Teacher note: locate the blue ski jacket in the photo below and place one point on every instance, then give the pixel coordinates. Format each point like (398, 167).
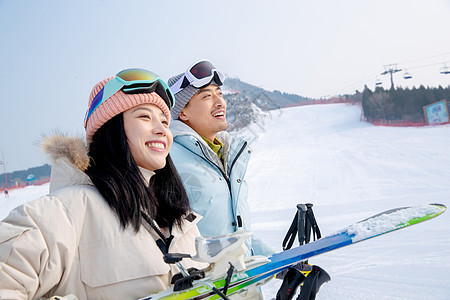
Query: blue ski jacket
(215, 191)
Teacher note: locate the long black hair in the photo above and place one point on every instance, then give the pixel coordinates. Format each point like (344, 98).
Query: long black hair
(116, 175)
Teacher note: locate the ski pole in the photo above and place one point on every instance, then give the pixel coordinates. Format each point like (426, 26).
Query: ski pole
(301, 209)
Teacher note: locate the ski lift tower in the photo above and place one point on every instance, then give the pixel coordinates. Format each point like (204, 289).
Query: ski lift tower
(391, 69)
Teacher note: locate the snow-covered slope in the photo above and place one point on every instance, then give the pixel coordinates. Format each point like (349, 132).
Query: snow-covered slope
(19, 196)
(349, 170)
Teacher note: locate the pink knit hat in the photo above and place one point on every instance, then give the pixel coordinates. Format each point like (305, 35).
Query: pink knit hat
(116, 104)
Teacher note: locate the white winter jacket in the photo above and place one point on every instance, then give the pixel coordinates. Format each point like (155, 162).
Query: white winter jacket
(70, 241)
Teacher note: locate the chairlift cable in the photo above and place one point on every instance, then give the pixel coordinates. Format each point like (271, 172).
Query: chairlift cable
(355, 84)
(424, 58)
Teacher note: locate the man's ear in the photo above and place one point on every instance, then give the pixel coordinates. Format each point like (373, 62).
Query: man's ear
(183, 117)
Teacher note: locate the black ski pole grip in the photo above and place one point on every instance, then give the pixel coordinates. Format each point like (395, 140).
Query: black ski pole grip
(313, 222)
(301, 208)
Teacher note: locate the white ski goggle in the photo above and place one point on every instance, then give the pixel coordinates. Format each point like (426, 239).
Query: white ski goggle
(199, 75)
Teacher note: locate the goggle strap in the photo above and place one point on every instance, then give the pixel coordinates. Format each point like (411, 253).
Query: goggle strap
(185, 83)
(218, 78)
(98, 99)
(86, 118)
(178, 85)
(111, 87)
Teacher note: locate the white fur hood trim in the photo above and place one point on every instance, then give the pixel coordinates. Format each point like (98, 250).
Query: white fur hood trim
(70, 159)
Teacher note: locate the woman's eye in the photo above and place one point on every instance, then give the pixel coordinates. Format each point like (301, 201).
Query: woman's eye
(145, 116)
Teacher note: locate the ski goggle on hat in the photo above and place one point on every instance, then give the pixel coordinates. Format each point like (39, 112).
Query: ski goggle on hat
(132, 81)
(199, 75)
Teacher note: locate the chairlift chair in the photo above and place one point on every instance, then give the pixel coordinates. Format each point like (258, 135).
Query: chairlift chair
(445, 70)
(378, 82)
(407, 75)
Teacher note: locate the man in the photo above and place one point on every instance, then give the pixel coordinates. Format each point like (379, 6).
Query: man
(211, 163)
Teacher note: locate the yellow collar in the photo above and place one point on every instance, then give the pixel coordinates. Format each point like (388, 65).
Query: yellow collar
(215, 146)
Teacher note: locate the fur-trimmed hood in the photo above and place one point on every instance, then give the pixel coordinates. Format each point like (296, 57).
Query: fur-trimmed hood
(70, 159)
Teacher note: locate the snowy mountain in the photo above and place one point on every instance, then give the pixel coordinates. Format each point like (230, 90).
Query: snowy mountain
(247, 103)
(349, 170)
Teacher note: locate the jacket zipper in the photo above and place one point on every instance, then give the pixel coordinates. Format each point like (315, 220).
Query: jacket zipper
(232, 164)
(237, 156)
(220, 169)
(238, 218)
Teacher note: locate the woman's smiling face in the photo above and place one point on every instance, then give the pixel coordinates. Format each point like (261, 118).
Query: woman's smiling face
(148, 135)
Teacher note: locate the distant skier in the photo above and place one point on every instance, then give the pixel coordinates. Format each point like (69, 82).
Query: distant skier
(6, 193)
(211, 163)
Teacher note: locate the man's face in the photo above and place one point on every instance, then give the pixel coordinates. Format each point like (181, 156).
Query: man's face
(206, 112)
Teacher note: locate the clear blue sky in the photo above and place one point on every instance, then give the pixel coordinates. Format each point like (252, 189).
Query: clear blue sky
(53, 52)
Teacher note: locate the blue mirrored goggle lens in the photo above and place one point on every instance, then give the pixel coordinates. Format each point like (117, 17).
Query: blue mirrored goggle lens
(130, 75)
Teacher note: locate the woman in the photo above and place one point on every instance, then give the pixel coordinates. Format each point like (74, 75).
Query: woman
(114, 206)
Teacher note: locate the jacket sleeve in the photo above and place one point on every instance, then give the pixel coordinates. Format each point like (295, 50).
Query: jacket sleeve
(37, 240)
